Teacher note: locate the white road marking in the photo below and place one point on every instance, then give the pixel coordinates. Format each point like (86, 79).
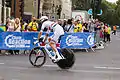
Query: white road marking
(15, 79)
(50, 65)
(2, 63)
(23, 68)
(90, 71)
(110, 68)
(93, 71)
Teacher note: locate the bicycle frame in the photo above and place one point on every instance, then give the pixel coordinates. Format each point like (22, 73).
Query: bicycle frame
(45, 46)
(67, 57)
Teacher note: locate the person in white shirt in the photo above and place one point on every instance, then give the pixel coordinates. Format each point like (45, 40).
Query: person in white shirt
(11, 25)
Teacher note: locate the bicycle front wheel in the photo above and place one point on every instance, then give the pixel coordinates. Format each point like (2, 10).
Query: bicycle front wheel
(37, 57)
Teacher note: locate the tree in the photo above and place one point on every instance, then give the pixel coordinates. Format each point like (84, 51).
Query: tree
(118, 12)
(109, 13)
(80, 4)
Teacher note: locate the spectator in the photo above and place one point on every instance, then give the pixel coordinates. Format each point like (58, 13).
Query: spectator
(84, 27)
(17, 25)
(114, 30)
(11, 25)
(69, 27)
(64, 24)
(76, 26)
(59, 22)
(92, 26)
(25, 27)
(7, 22)
(105, 32)
(108, 34)
(101, 34)
(80, 27)
(33, 25)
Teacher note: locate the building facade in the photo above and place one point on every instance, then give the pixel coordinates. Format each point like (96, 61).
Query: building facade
(49, 8)
(30, 7)
(16, 8)
(66, 9)
(4, 11)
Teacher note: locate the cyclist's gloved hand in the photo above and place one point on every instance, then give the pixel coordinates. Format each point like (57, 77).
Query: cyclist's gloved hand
(34, 43)
(41, 39)
(37, 41)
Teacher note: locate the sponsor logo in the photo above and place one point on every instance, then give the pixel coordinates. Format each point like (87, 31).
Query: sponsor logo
(12, 41)
(74, 41)
(90, 40)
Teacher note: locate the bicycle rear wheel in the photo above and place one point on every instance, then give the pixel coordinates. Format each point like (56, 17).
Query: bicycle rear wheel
(37, 57)
(69, 61)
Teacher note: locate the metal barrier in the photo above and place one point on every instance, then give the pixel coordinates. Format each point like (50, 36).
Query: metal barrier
(24, 40)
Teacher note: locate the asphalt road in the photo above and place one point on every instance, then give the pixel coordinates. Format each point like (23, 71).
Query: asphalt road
(101, 65)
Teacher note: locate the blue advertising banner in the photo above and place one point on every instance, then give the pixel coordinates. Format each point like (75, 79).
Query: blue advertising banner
(24, 40)
(16, 40)
(77, 40)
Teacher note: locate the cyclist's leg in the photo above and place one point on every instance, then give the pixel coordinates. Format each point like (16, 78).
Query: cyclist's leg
(52, 43)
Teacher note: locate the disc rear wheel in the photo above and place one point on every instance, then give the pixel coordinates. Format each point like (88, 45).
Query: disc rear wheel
(69, 61)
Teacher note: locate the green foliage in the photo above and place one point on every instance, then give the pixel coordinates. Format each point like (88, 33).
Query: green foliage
(111, 11)
(80, 4)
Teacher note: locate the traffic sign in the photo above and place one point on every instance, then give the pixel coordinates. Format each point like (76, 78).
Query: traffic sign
(90, 12)
(101, 12)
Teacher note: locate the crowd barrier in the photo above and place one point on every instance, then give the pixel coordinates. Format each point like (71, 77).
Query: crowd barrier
(24, 40)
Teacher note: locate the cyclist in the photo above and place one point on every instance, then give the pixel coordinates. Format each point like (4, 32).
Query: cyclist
(57, 30)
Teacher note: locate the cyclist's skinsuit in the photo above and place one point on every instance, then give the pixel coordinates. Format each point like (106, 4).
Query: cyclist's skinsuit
(57, 29)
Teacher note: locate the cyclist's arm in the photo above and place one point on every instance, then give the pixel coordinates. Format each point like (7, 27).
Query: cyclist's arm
(42, 28)
(46, 36)
(39, 35)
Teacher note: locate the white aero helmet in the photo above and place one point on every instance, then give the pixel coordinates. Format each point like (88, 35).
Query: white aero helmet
(43, 18)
